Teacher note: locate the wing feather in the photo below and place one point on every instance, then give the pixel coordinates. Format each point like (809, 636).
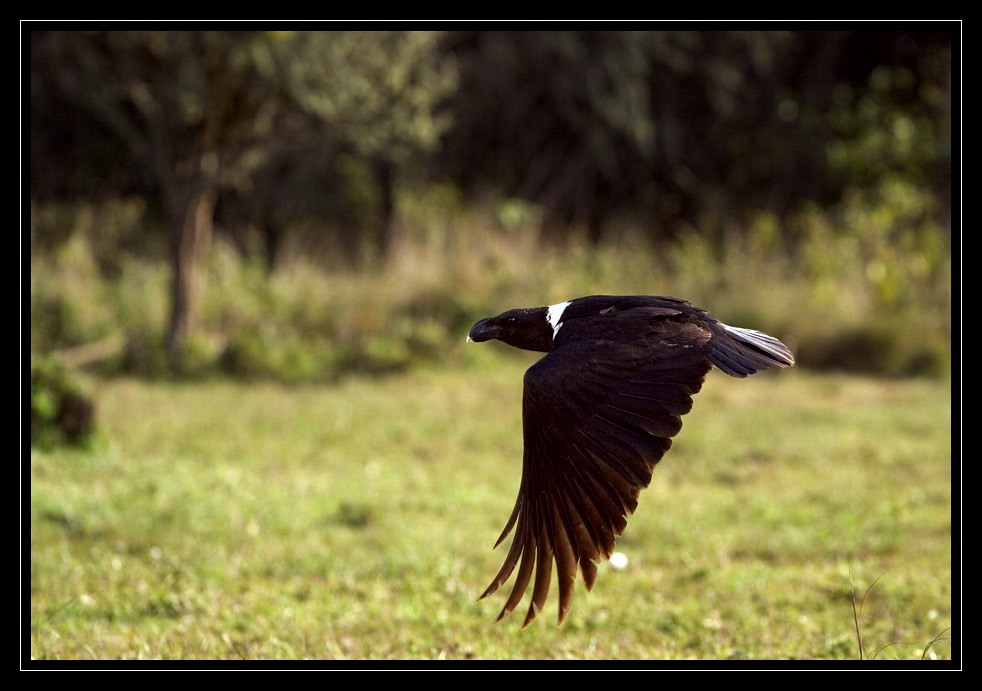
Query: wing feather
(527, 550)
(598, 415)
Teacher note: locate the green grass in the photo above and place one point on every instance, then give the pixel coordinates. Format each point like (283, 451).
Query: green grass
(355, 520)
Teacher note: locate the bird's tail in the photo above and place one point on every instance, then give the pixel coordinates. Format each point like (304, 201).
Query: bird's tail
(740, 352)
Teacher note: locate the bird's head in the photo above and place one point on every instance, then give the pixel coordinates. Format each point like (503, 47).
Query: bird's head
(526, 328)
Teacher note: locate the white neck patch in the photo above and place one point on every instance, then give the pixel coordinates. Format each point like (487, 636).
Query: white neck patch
(555, 316)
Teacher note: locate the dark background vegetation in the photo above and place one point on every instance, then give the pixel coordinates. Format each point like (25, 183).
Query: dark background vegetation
(302, 205)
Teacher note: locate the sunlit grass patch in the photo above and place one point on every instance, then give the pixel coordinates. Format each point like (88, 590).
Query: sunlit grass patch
(356, 520)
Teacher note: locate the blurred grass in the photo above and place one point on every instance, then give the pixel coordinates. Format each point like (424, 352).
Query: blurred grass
(236, 520)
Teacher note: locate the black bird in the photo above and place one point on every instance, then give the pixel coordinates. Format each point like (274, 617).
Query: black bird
(599, 412)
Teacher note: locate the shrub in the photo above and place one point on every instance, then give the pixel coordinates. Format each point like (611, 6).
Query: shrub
(61, 410)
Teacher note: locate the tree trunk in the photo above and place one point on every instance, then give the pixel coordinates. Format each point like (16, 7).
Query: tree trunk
(384, 174)
(193, 236)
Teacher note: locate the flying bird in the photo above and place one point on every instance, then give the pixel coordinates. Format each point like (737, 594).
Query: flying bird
(599, 411)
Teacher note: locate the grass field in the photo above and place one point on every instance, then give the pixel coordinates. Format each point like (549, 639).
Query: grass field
(354, 521)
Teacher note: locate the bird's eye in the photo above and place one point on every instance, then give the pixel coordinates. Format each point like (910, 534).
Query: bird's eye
(512, 320)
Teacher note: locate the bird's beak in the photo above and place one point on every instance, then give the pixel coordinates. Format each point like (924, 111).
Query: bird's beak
(482, 331)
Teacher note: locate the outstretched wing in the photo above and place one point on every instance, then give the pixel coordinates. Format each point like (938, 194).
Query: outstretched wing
(598, 415)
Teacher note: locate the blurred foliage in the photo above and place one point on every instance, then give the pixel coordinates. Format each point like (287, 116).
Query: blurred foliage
(286, 125)
(200, 115)
(877, 302)
(373, 193)
(668, 129)
(62, 411)
(678, 128)
(380, 91)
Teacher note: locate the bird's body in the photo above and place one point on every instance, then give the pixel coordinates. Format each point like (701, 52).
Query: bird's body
(599, 411)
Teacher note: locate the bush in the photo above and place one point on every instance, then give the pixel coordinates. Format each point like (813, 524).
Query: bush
(62, 413)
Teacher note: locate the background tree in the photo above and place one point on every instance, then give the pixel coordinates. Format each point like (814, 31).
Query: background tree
(202, 114)
(377, 94)
(190, 107)
(559, 118)
(696, 127)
